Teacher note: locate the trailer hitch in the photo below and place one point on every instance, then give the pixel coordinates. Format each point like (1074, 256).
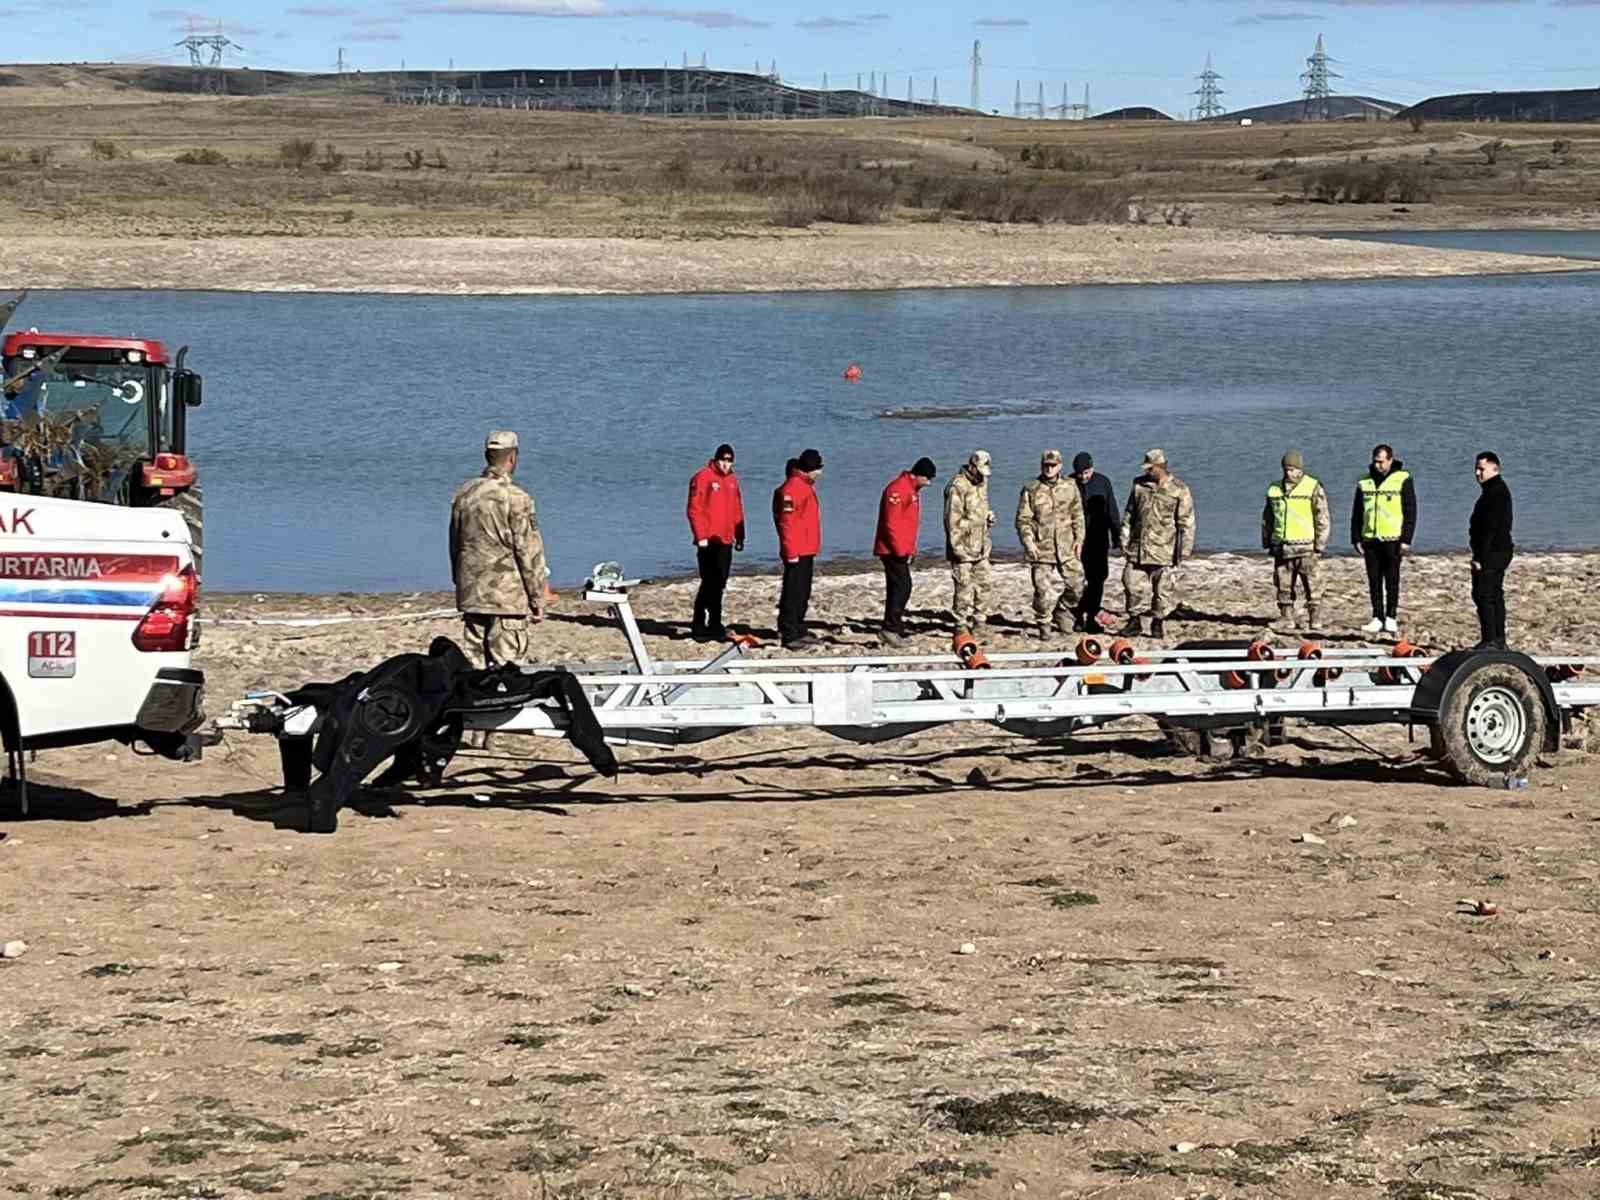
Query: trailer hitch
(411, 709)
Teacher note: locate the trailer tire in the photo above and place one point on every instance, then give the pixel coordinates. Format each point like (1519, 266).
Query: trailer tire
(191, 505)
(1492, 726)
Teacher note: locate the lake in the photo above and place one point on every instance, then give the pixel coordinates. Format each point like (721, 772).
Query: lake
(336, 428)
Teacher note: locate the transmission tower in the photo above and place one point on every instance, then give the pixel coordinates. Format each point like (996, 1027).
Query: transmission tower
(1210, 94)
(1316, 77)
(977, 63)
(1016, 107)
(206, 51)
(1040, 105)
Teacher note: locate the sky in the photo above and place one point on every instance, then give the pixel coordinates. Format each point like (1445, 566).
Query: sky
(1147, 52)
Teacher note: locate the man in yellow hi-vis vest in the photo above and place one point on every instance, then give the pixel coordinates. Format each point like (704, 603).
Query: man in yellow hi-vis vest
(1294, 526)
(1383, 520)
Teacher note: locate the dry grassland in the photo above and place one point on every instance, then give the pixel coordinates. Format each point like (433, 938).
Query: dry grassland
(88, 161)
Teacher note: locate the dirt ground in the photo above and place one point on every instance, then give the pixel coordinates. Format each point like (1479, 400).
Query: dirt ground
(739, 969)
(843, 258)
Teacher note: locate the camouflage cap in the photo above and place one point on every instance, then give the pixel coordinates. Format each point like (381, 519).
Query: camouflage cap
(1294, 460)
(1155, 458)
(1050, 456)
(980, 462)
(501, 439)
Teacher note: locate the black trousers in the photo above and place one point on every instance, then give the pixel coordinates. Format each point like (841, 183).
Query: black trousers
(1383, 577)
(715, 560)
(1096, 566)
(795, 599)
(1489, 595)
(896, 591)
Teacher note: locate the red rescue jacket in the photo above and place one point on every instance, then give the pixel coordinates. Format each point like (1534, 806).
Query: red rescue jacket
(716, 509)
(798, 517)
(899, 512)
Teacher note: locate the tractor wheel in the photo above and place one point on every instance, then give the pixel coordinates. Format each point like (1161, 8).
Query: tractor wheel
(192, 505)
(1493, 725)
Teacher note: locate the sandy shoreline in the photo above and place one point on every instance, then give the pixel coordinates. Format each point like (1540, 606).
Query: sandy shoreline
(842, 258)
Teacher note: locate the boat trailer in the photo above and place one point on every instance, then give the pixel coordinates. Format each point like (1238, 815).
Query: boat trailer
(1490, 712)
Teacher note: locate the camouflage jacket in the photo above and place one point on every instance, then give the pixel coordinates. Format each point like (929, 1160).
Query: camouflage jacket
(1158, 522)
(967, 518)
(1050, 520)
(496, 553)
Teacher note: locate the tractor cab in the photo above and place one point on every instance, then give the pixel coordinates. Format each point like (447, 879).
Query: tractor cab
(95, 418)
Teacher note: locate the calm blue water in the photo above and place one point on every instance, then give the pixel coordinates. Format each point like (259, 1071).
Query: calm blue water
(336, 428)
(1551, 243)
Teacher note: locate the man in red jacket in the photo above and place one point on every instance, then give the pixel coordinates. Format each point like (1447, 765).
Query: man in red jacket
(799, 521)
(716, 523)
(899, 512)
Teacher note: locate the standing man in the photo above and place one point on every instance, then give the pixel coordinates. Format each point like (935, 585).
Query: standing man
(1492, 548)
(1383, 521)
(1050, 526)
(899, 513)
(1295, 523)
(967, 541)
(1157, 536)
(497, 556)
(716, 523)
(1102, 533)
(799, 521)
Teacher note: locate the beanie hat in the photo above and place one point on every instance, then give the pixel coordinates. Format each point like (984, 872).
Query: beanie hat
(810, 460)
(925, 468)
(1082, 461)
(723, 451)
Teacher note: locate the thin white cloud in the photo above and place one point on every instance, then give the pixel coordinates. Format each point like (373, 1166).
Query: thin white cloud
(706, 18)
(1001, 22)
(374, 35)
(1274, 18)
(320, 10)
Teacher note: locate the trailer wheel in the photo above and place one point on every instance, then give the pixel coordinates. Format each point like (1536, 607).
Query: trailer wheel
(1492, 725)
(191, 504)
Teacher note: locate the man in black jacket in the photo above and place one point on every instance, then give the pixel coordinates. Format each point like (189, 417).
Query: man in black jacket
(1490, 535)
(1383, 521)
(1102, 530)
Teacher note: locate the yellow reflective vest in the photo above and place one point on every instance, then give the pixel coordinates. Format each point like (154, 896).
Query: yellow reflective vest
(1382, 515)
(1293, 519)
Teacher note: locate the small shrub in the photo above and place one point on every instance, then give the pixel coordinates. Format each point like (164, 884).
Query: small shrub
(297, 153)
(1491, 150)
(104, 149)
(414, 159)
(678, 172)
(41, 156)
(372, 160)
(331, 159)
(1561, 146)
(439, 160)
(1416, 121)
(202, 156)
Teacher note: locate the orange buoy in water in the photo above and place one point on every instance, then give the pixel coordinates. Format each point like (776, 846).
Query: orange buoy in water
(852, 373)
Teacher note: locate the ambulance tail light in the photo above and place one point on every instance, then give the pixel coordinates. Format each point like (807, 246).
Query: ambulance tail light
(166, 627)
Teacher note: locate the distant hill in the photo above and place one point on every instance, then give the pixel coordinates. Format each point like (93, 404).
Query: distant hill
(1340, 108)
(1137, 113)
(1576, 104)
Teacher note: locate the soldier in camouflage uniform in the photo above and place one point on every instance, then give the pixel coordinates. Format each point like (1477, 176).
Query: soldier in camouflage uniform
(1295, 523)
(497, 556)
(1157, 535)
(1050, 526)
(967, 544)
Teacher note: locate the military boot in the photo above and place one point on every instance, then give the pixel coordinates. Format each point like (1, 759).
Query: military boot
(1064, 623)
(1311, 618)
(1042, 631)
(1158, 627)
(1286, 617)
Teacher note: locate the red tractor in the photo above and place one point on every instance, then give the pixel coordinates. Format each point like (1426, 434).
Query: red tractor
(98, 418)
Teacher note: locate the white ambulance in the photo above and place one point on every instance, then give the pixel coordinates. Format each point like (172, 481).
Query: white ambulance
(98, 622)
